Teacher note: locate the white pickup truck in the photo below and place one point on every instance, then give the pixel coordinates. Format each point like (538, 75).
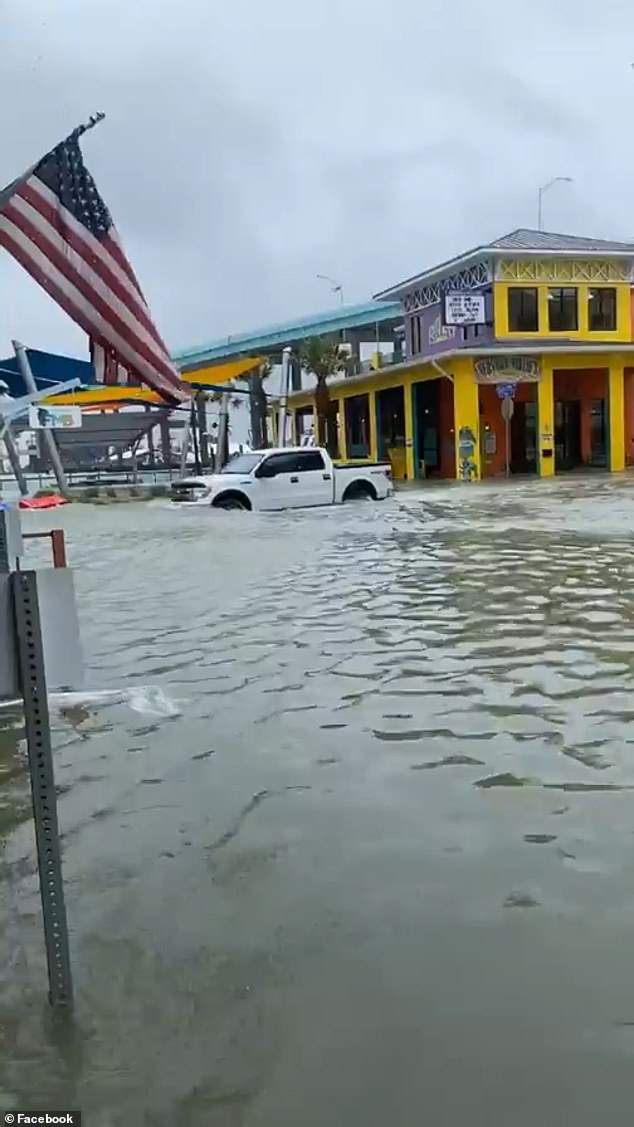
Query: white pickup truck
(297, 477)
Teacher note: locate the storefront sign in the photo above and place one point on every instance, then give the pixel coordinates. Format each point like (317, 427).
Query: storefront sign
(437, 337)
(507, 369)
(464, 308)
(437, 334)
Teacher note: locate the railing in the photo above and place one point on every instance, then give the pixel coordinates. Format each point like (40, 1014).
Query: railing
(89, 475)
(376, 364)
(58, 544)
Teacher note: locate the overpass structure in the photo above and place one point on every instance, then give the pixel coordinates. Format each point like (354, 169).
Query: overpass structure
(369, 323)
(210, 367)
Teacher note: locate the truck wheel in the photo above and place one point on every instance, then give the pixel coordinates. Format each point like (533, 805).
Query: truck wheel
(360, 491)
(231, 502)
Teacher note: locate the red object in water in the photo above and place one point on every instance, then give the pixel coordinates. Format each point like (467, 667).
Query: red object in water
(52, 502)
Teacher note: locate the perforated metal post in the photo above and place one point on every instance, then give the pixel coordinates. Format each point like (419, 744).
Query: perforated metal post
(30, 655)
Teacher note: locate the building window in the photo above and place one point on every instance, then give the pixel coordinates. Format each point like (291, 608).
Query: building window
(415, 336)
(562, 310)
(602, 310)
(523, 309)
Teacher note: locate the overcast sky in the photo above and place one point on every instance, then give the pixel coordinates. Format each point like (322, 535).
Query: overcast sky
(252, 145)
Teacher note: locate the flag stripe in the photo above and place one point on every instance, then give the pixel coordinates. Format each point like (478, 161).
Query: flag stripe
(55, 223)
(74, 265)
(103, 362)
(86, 316)
(108, 369)
(31, 201)
(98, 357)
(112, 247)
(90, 289)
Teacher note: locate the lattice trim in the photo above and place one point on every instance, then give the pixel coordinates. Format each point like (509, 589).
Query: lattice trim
(471, 278)
(564, 270)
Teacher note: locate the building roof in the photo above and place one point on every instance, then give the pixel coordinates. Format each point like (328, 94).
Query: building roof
(523, 241)
(276, 337)
(526, 239)
(48, 369)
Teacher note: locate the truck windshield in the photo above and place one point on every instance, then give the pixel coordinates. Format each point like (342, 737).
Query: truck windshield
(243, 463)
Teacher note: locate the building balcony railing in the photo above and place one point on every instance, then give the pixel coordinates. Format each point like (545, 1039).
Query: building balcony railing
(375, 363)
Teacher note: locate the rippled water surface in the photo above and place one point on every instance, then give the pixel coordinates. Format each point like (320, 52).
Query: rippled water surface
(351, 839)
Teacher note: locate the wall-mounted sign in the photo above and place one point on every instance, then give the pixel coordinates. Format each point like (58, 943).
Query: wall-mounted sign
(464, 308)
(437, 334)
(505, 390)
(54, 418)
(507, 369)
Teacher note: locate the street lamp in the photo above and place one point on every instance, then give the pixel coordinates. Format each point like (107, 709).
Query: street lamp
(335, 285)
(542, 191)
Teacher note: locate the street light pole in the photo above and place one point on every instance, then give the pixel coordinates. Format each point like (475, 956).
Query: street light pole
(542, 192)
(335, 285)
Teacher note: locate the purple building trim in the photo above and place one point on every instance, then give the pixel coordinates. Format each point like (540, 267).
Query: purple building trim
(426, 335)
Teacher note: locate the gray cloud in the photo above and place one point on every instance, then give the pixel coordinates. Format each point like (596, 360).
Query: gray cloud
(250, 147)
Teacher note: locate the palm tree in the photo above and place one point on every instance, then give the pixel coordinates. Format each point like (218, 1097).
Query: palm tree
(324, 357)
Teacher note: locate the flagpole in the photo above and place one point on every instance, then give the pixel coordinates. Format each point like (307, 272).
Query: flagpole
(94, 119)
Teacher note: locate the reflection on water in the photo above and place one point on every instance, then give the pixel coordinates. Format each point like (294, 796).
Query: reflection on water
(333, 760)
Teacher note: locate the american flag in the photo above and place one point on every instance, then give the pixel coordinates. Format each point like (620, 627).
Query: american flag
(55, 223)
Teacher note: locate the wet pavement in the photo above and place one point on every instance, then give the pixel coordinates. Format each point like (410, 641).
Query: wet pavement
(349, 833)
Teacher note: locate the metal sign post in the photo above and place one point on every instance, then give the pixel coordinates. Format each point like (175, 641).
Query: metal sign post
(39, 641)
(506, 393)
(30, 653)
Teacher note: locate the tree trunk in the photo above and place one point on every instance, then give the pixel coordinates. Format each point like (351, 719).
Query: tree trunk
(322, 402)
(258, 405)
(203, 437)
(194, 430)
(166, 445)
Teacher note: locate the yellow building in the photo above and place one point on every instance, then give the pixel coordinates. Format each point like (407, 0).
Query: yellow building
(540, 320)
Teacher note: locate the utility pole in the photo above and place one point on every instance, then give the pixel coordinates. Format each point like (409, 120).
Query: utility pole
(47, 435)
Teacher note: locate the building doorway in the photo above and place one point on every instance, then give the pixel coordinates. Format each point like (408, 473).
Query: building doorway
(523, 437)
(434, 438)
(356, 413)
(522, 430)
(568, 435)
(599, 433)
(581, 418)
(390, 429)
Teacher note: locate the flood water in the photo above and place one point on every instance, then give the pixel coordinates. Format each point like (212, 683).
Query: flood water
(351, 842)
